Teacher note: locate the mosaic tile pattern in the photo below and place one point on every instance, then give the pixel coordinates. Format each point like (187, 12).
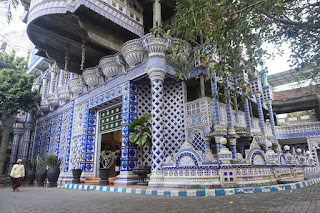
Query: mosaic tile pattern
(198, 142)
(79, 119)
(65, 139)
(88, 144)
(174, 118)
(53, 136)
(261, 117)
(129, 113)
(204, 192)
(143, 107)
(157, 124)
(297, 131)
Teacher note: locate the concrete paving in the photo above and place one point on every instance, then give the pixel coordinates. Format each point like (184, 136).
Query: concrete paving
(36, 199)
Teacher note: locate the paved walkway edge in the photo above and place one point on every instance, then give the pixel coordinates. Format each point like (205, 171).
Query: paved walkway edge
(204, 192)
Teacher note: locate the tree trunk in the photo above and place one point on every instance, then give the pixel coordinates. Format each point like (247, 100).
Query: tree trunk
(7, 125)
(3, 148)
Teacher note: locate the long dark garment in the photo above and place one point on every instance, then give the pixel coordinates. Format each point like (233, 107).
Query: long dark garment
(16, 183)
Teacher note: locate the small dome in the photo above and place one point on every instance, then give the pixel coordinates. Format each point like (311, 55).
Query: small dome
(286, 148)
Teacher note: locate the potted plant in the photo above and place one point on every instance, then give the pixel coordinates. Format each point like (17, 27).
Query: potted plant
(106, 159)
(76, 172)
(31, 172)
(140, 135)
(41, 171)
(53, 163)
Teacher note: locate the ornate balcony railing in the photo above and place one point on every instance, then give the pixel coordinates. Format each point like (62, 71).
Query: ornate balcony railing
(297, 131)
(116, 11)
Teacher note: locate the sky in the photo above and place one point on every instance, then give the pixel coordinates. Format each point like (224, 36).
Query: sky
(15, 32)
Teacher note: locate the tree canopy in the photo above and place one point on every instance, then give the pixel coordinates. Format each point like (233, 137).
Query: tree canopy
(238, 29)
(15, 86)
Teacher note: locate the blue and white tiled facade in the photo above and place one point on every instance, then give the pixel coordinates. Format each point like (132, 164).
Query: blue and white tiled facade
(183, 132)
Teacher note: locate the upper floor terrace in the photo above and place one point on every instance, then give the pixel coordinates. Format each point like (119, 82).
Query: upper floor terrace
(86, 30)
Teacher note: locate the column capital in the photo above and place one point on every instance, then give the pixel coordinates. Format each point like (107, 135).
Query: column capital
(258, 94)
(45, 79)
(156, 74)
(28, 126)
(18, 131)
(269, 101)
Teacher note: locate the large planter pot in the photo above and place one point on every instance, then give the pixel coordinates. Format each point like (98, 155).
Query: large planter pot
(53, 175)
(180, 57)
(53, 100)
(112, 66)
(76, 173)
(104, 176)
(142, 175)
(40, 177)
(156, 45)
(30, 176)
(91, 76)
(44, 106)
(63, 93)
(133, 52)
(76, 85)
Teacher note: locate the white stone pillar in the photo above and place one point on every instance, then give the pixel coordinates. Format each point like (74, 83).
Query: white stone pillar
(53, 76)
(202, 87)
(156, 13)
(24, 145)
(17, 134)
(157, 79)
(62, 80)
(44, 87)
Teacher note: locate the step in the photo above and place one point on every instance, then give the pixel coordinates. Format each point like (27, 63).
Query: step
(95, 181)
(291, 180)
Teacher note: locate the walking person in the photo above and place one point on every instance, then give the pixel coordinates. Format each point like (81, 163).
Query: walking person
(17, 173)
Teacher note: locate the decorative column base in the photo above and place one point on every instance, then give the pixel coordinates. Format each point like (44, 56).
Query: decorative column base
(126, 178)
(271, 156)
(156, 179)
(225, 156)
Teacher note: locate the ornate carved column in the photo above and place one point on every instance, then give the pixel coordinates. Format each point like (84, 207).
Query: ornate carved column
(17, 136)
(247, 114)
(260, 112)
(52, 96)
(157, 78)
(128, 155)
(63, 89)
(24, 145)
(271, 117)
(256, 89)
(35, 87)
(156, 68)
(62, 78)
(53, 76)
(231, 132)
(156, 13)
(31, 146)
(202, 87)
(216, 112)
(44, 87)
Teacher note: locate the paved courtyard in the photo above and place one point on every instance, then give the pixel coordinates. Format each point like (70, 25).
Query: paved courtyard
(33, 200)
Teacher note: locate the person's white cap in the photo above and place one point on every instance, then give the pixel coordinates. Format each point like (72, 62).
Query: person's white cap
(19, 160)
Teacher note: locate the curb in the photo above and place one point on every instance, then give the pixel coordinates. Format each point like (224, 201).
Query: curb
(198, 193)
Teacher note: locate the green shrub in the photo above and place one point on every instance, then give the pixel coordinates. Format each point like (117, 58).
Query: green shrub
(53, 161)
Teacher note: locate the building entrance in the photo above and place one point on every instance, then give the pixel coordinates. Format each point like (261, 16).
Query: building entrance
(110, 135)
